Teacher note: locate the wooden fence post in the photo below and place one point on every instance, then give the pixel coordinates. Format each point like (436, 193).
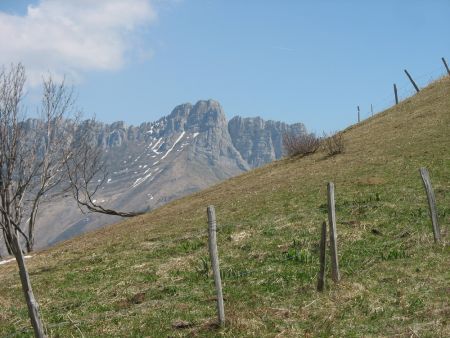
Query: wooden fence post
(335, 275)
(213, 254)
(395, 94)
(446, 66)
(32, 304)
(359, 115)
(412, 81)
(322, 248)
(431, 203)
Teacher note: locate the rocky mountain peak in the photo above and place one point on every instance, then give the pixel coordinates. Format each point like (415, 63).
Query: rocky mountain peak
(205, 115)
(176, 120)
(151, 164)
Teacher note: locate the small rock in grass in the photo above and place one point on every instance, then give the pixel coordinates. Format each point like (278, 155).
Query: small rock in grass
(376, 232)
(181, 324)
(138, 298)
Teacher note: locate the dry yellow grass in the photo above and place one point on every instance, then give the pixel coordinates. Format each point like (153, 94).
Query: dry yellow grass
(137, 277)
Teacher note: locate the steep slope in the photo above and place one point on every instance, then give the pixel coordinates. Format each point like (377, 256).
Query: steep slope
(140, 277)
(150, 165)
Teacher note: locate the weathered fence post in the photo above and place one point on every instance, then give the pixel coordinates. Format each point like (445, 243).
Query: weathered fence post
(395, 94)
(32, 304)
(446, 66)
(359, 115)
(322, 248)
(412, 81)
(431, 203)
(335, 275)
(213, 254)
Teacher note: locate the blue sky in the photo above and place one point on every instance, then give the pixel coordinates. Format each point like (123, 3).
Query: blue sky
(296, 61)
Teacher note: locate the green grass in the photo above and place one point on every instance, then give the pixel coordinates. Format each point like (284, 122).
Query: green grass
(138, 277)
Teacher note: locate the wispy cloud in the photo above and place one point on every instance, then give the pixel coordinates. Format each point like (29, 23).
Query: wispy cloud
(74, 36)
(286, 49)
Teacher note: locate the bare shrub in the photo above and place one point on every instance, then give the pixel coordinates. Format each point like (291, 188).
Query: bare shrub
(300, 144)
(334, 143)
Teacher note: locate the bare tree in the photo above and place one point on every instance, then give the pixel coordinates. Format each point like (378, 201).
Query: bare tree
(32, 153)
(39, 159)
(54, 133)
(19, 170)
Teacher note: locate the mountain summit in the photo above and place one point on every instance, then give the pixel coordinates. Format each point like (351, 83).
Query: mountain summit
(149, 165)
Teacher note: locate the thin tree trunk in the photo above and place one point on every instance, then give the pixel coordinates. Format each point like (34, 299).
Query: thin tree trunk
(7, 243)
(30, 239)
(31, 222)
(33, 306)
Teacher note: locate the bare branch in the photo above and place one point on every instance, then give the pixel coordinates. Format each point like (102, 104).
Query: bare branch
(87, 173)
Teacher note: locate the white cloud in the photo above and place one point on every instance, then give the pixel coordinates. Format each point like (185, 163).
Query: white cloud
(73, 36)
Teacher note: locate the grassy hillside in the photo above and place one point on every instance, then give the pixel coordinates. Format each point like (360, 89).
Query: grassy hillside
(139, 277)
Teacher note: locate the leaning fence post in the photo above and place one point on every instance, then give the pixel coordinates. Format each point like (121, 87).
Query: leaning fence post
(335, 275)
(322, 248)
(212, 244)
(431, 203)
(446, 66)
(412, 81)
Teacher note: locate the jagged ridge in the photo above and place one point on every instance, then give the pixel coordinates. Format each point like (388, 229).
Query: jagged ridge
(151, 164)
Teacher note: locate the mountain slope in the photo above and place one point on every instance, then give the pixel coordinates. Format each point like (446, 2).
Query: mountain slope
(138, 277)
(150, 165)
